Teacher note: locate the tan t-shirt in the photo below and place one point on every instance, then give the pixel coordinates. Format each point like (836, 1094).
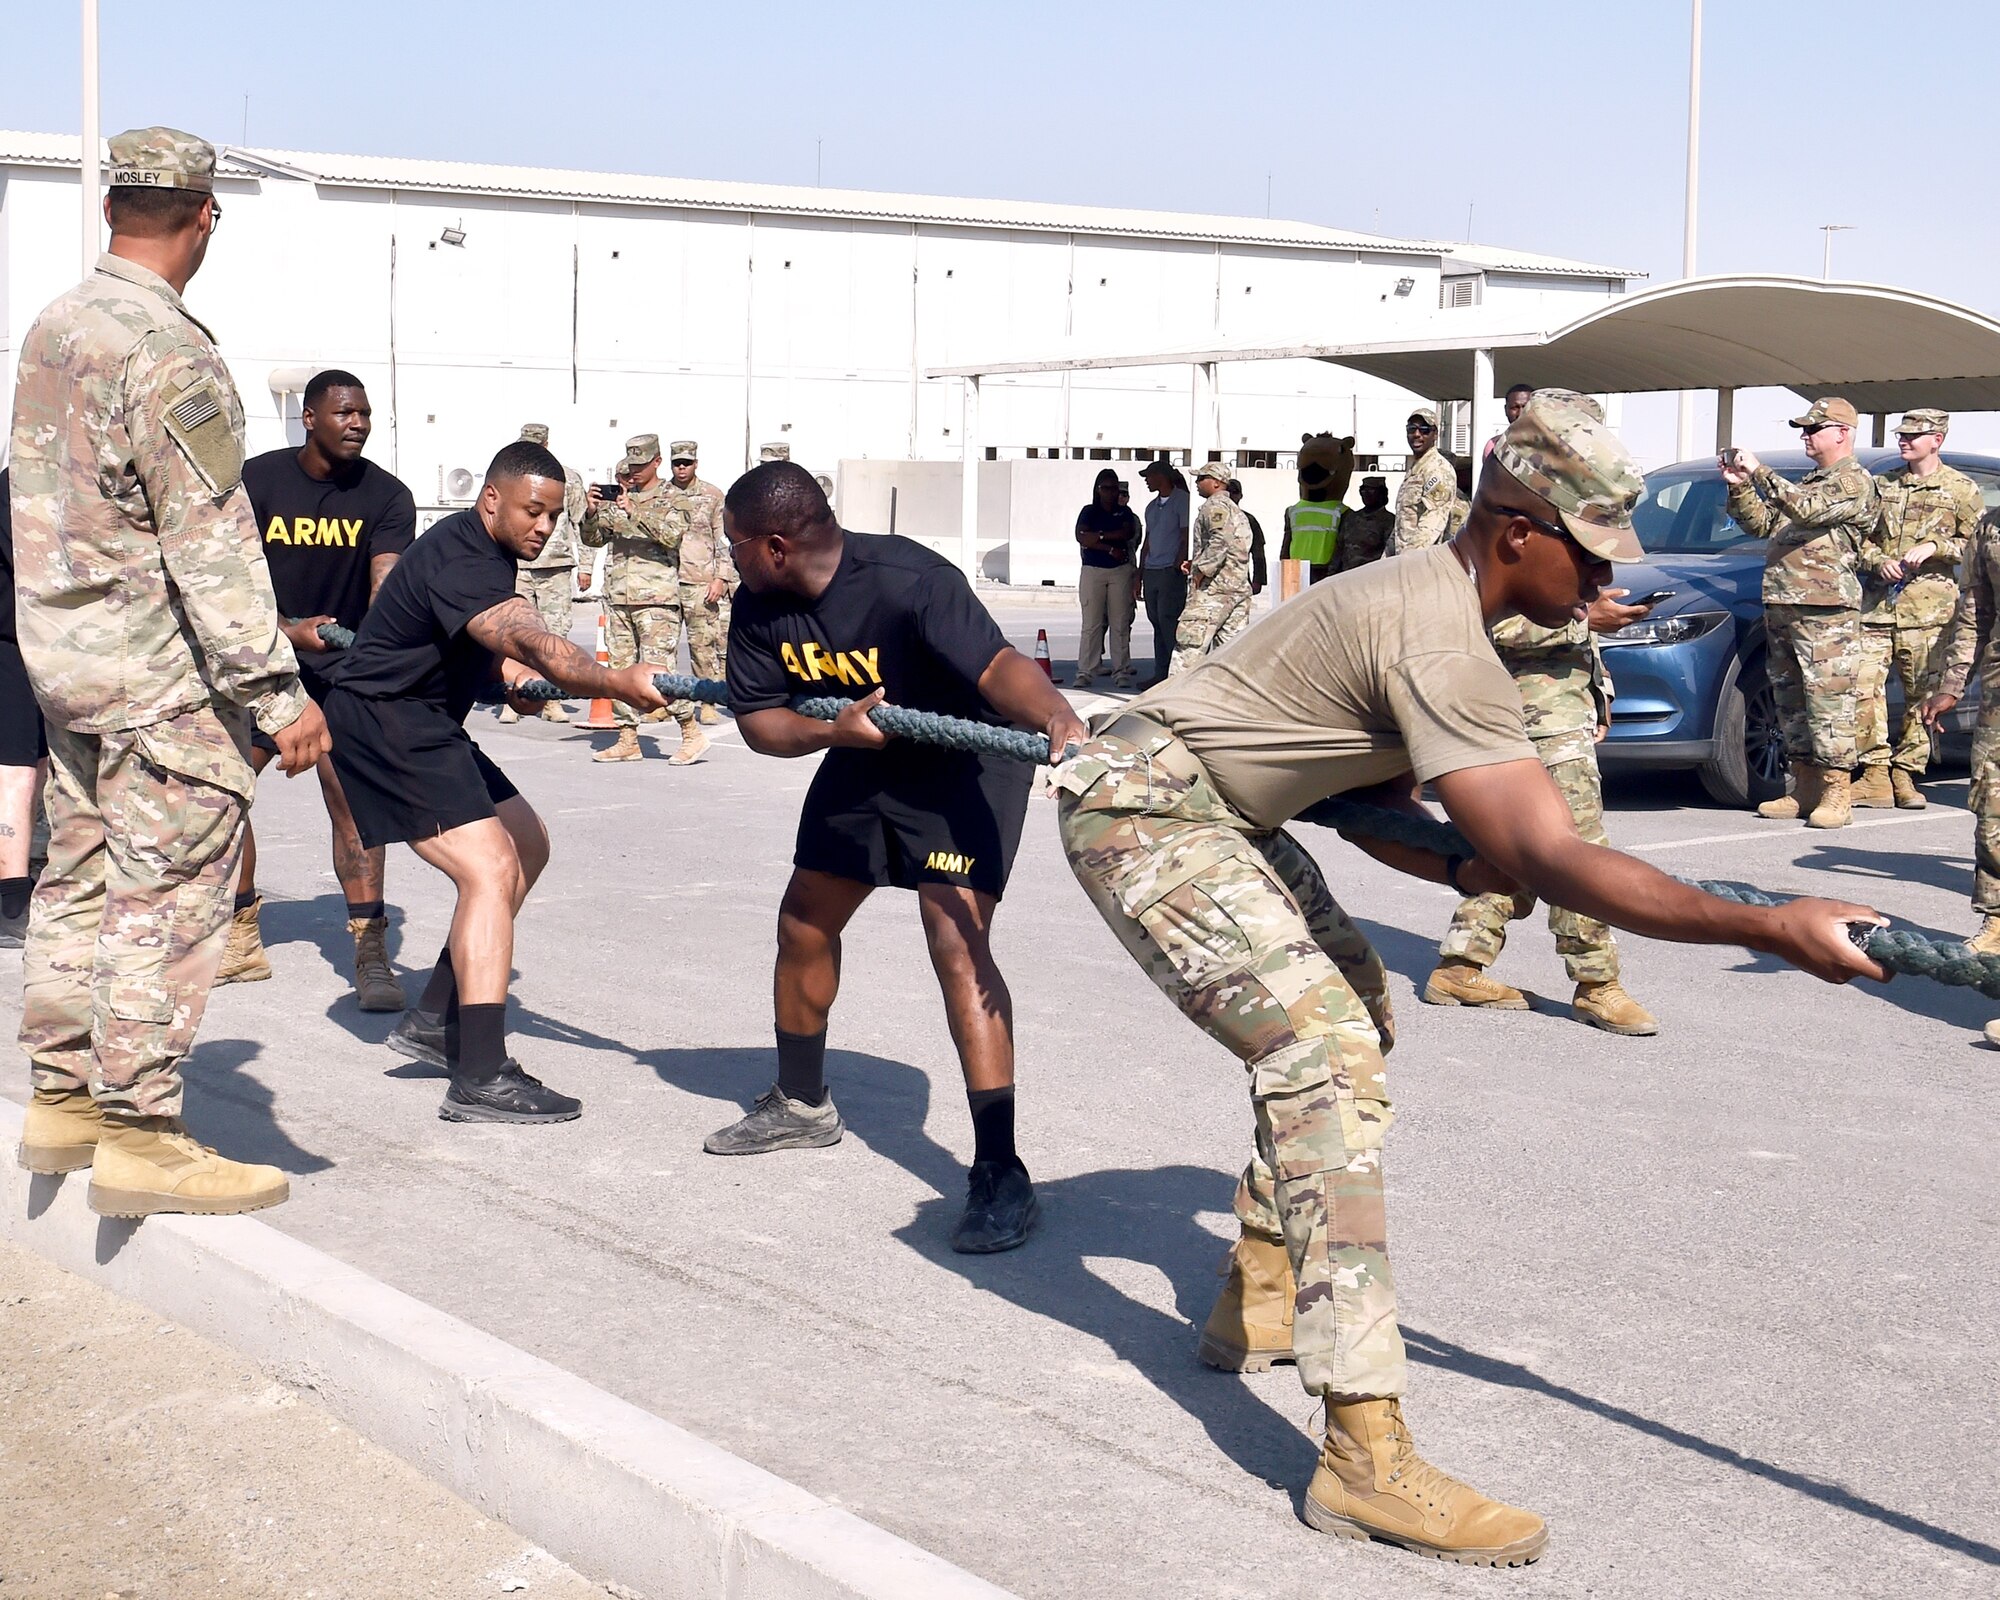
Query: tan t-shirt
(1369, 674)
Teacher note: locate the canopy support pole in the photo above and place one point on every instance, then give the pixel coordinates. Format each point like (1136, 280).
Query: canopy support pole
(1201, 416)
(968, 488)
(1482, 408)
(1881, 428)
(1725, 419)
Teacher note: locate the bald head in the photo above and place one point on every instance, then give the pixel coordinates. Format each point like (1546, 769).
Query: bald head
(780, 497)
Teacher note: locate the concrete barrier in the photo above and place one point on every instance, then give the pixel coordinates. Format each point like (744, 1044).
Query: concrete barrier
(621, 1495)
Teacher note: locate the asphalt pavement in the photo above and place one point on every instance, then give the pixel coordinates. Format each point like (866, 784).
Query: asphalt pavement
(1720, 1304)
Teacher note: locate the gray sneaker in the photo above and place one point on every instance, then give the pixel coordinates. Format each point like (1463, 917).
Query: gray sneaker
(778, 1122)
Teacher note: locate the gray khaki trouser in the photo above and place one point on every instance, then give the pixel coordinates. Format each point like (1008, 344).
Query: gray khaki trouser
(1105, 594)
(1165, 589)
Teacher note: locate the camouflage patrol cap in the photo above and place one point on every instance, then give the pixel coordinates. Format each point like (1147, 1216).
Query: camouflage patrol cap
(1926, 419)
(1425, 415)
(535, 432)
(161, 158)
(641, 448)
(682, 450)
(1832, 409)
(1215, 471)
(1561, 449)
(774, 452)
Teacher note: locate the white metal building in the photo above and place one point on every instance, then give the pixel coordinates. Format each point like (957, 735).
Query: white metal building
(470, 298)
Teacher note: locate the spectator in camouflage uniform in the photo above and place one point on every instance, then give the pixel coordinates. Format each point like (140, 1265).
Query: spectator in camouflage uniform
(1172, 818)
(1966, 647)
(151, 634)
(708, 573)
(1910, 562)
(1365, 534)
(1218, 572)
(1430, 486)
(642, 590)
(548, 581)
(1812, 601)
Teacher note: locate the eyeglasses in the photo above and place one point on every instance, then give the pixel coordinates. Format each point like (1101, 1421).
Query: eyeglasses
(738, 544)
(214, 213)
(1554, 530)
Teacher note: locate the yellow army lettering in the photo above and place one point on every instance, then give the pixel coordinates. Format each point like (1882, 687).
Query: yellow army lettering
(946, 861)
(314, 531)
(857, 667)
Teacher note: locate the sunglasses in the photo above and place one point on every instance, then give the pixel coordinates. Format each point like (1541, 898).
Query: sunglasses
(214, 213)
(1555, 530)
(1819, 427)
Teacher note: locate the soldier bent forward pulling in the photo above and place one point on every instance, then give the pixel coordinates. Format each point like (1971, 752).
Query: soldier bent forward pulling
(150, 632)
(1218, 572)
(1172, 818)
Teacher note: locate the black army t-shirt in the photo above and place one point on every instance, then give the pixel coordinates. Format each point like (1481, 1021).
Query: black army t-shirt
(320, 535)
(412, 645)
(896, 616)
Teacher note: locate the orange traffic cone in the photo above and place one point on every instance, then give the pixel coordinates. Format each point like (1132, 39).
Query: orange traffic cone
(602, 715)
(1042, 653)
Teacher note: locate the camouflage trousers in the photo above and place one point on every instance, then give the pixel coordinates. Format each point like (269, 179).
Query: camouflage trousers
(707, 631)
(1814, 660)
(549, 590)
(645, 633)
(1983, 799)
(1237, 928)
(1215, 614)
(127, 924)
(1907, 652)
(1478, 931)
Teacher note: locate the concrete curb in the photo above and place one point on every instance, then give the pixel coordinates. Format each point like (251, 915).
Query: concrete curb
(618, 1493)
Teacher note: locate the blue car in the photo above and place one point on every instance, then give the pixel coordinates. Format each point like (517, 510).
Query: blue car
(1692, 687)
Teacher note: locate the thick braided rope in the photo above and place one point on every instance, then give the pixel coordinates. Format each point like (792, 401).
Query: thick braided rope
(1943, 960)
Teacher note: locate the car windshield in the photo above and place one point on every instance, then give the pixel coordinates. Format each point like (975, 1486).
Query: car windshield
(1685, 513)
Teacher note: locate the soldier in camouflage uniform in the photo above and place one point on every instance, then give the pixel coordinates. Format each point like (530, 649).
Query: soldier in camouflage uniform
(1812, 602)
(1566, 707)
(708, 572)
(1967, 647)
(1365, 534)
(642, 590)
(548, 581)
(1218, 570)
(1910, 567)
(150, 632)
(1430, 486)
(1173, 820)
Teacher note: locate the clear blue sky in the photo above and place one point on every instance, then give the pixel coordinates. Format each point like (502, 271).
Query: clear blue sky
(1559, 122)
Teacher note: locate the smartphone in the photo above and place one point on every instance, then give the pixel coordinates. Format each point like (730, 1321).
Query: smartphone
(608, 491)
(1732, 458)
(1652, 599)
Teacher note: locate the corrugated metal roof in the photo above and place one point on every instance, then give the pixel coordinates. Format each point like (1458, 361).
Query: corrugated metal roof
(457, 177)
(1494, 258)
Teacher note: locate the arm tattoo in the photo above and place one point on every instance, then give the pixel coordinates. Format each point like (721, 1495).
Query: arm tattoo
(514, 628)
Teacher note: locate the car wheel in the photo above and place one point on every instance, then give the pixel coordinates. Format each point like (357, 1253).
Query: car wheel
(1749, 765)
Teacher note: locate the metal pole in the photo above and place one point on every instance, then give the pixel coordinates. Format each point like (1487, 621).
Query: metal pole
(93, 175)
(1725, 419)
(1482, 406)
(968, 487)
(1691, 208)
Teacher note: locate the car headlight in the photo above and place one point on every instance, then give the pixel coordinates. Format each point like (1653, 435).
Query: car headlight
(1665, 630)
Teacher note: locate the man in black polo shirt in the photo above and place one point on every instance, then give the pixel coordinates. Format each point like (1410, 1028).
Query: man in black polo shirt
(332, 526)
(869, 617)
(441, 623)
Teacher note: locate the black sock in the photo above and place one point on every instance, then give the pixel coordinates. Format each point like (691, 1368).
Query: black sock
(441, 993)
(802, 1066)
(993, 1125)
(14, 896)
(365, 911)
(246, 900)
(476, 1041)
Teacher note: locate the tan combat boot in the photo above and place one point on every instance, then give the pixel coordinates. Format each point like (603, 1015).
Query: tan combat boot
(657, 714)
(153, 1165)
(1993, 1032)
(1250, 1329)
(710, 716)
(1834, 808)
(1872, 789)
(552, 711)
(1372, 1484)
(1460, 983)
(1986, 942)
(1804, 796)
(374, 979)
(1908, 796)
(693, 744)
(508, 714)
(243, 958)
(1606, 1005)
(60, 1131)
(626, 749)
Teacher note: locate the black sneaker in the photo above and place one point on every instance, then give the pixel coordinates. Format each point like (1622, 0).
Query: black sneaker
(13, 931)
(778, 1122)
(1000, 1209)
(511, 1097)
(420, 1036)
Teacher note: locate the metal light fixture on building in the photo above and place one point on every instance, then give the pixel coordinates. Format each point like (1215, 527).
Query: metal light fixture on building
(1405, 285)
(452, 235)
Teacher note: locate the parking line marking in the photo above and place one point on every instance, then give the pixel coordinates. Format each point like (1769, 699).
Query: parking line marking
(1933, 814)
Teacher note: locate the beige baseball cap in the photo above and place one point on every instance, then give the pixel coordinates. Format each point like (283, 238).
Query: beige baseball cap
(1215, 471)
(535, 432)
(1561, 449)
(1832, 409)
(682, 450)
(1925, 419)
(161, 158)
(641, 448)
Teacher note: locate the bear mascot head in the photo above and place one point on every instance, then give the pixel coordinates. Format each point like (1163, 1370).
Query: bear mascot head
(1326, 465)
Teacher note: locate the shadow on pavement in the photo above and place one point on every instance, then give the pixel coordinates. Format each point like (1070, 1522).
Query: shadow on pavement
(1949, 872)
(1433, 1351)
(230, 1110)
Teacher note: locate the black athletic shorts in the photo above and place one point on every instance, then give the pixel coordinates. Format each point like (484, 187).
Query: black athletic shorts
(408, 770)
(23, 740)
(315, 686)
(949, 817)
